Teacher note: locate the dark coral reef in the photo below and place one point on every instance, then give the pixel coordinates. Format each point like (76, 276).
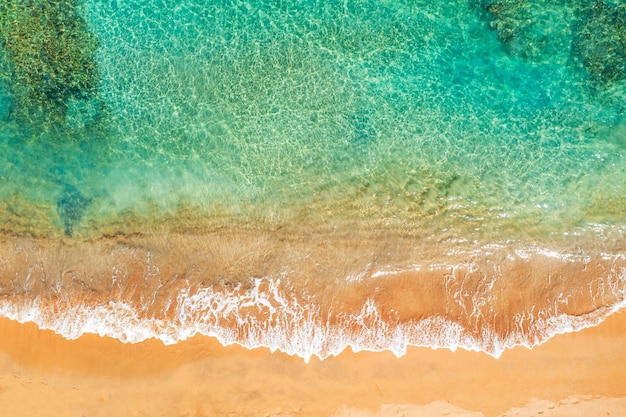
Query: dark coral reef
(599, 42)
(47, 56)
(589, 34)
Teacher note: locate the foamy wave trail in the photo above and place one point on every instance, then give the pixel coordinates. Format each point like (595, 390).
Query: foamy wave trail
(480, 309)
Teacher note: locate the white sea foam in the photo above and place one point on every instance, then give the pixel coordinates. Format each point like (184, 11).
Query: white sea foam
(265, 315)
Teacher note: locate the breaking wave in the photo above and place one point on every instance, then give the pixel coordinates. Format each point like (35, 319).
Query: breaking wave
(270, 312)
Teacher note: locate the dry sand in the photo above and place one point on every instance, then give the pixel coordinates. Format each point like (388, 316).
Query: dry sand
(42, 374)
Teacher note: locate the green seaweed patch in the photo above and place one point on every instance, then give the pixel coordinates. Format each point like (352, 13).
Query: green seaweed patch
(509, 19)
(20, 217)
(592, 34)
(504, 17)
(538, 31)
(599, 43)
(49, 56)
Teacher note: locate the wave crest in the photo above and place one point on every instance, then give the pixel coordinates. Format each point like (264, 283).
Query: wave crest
(268, 312)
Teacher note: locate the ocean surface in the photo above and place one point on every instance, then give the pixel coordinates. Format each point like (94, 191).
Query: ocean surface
(312, 175)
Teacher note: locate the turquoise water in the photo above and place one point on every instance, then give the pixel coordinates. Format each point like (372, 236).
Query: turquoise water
(506, 120)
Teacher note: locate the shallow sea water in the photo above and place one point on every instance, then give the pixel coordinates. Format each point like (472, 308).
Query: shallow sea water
(256, 157)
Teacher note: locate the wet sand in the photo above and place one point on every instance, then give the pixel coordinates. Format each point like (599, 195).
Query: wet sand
(298, 294)
(43, 374)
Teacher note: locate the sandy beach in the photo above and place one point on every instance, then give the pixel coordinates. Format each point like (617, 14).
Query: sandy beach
(43, 374)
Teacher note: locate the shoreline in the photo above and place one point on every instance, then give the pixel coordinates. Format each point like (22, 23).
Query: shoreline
(42, 373)
(299, 296)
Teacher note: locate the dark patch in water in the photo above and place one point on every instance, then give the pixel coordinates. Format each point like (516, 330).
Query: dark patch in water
(49, 57)
(600, 42)
(509, 19)
(71, 207)
(598, 28)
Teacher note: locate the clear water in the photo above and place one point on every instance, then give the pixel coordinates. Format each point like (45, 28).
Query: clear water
(398, 113)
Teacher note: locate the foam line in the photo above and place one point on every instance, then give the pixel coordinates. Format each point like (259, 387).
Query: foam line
(264, 315)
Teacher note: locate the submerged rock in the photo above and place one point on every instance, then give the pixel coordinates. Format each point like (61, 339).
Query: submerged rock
(71, 207)
(516, 27)
(48, 56)
(591, 34)
(599, 43)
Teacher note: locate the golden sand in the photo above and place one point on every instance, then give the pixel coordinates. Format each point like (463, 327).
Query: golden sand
(43, 374)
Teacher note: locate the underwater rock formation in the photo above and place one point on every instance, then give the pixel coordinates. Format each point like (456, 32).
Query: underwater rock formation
(591, 34)
(48, 56)
(510, 19)
(71, 206)
(599, 43)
